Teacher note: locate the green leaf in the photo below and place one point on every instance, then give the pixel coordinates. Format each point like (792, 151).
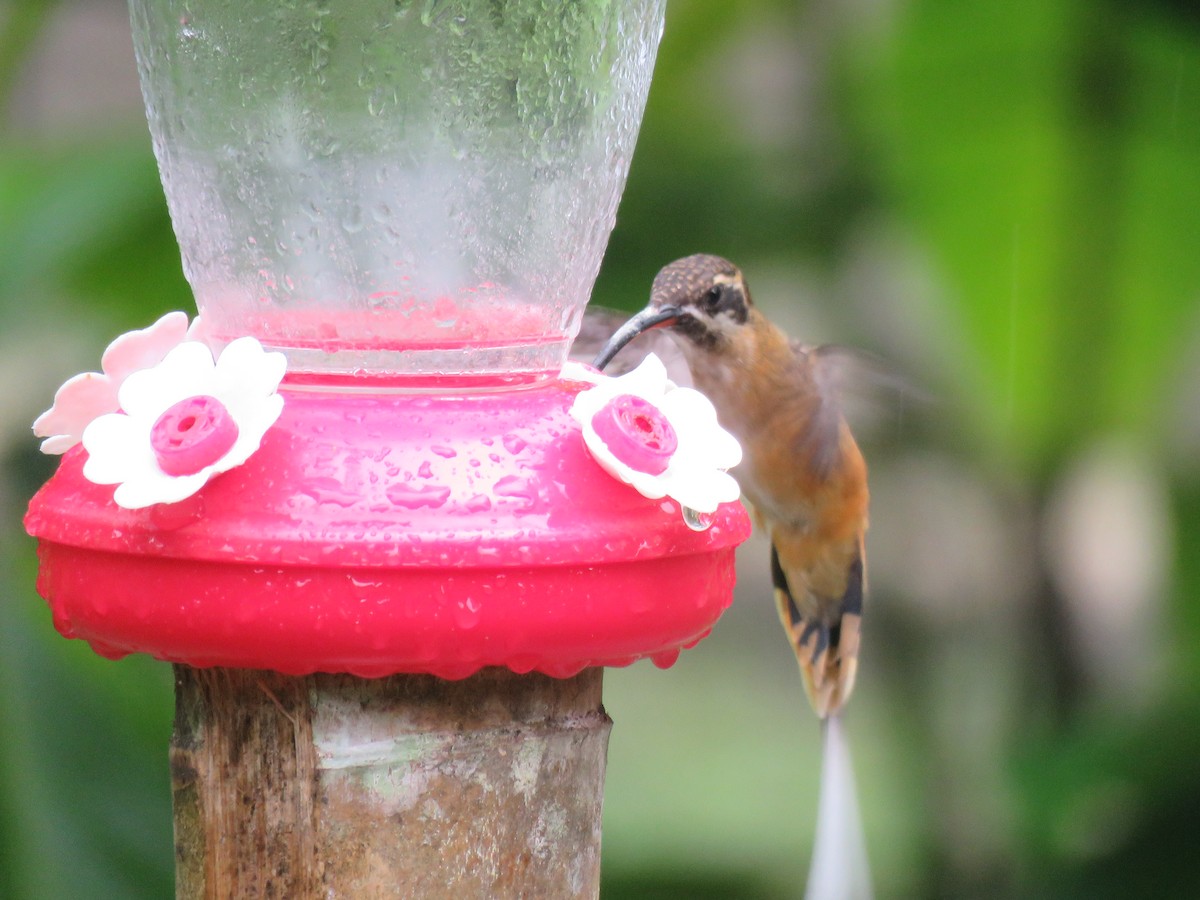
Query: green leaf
(1041, 154)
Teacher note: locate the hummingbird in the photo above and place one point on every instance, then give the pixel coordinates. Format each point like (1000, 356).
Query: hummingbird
(802, 472)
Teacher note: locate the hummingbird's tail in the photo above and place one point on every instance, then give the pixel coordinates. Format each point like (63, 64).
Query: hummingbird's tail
(827, 650)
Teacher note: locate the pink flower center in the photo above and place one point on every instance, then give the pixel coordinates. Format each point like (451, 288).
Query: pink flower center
(636, 433)
(192, 434)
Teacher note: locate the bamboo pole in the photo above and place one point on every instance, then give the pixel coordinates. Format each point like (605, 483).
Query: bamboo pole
(405, 786)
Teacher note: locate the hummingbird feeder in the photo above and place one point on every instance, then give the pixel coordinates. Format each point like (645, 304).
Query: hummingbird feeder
(353, 502)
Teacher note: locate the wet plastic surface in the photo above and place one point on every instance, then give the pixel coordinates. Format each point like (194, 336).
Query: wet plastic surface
(384, 533)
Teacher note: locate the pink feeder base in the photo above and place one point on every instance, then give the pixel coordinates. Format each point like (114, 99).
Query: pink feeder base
(378, 533)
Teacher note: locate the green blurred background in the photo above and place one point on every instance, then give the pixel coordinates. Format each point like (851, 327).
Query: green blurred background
(1003, 201)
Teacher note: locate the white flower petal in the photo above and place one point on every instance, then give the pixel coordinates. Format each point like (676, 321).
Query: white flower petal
(695, 476)
(251, 428)
(155, 486)
(145, 373)
(651, 486)
(254, 415)
(689, 405)
(244, 368)
(118, 447)
(694, 419)
(76, 403)
(577, 371)
(136, 350)
(185, 372)
(702, 491)
(85, 397)
(587, 404)
(58, 444)
(649, 380)
(724, 449)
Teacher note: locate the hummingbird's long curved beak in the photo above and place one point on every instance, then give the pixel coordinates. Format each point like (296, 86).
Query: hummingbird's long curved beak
(648, 318)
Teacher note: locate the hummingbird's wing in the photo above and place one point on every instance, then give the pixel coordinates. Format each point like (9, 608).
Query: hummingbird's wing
(600, 323)
(869, 392)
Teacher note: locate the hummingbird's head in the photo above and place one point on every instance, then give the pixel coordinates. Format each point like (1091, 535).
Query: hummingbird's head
(704, 298)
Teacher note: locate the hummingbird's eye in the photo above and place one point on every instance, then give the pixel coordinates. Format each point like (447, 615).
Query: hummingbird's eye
(712, 298)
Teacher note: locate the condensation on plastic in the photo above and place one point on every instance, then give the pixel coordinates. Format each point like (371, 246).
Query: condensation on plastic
(383, 533)
(396, 187)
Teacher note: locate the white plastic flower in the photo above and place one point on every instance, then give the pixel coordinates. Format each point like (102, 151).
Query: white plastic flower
(91, 394)
(184, 421)
(573, 370)
(661, 439)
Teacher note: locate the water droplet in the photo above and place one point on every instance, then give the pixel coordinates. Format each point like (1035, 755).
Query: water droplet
(697, 521)
(172, 516)
(641, 602)
(466, 614)
(381, 212)
(426, 470)
(406, 495)
(444, 452)
(329, 490)
(352, 221)
(513, 486)
(478, 503)
(513, 443)
(376, 102)
(665, 658)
